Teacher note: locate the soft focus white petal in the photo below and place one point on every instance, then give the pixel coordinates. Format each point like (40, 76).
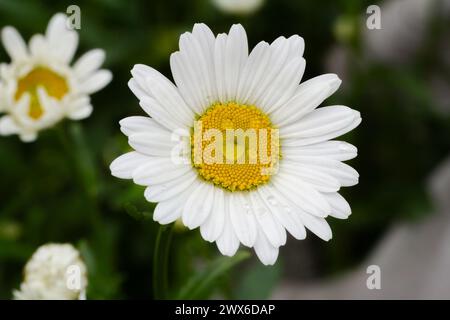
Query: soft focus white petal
(14, 44)
(89, 62)
(96, 81)
(62, 40)
(8, 126)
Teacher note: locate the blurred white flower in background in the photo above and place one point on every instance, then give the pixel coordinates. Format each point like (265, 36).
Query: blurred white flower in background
(238, 6)
(39, 87)
(54, 272)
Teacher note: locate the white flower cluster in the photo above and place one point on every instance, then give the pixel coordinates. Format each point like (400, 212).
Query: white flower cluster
(54, 272)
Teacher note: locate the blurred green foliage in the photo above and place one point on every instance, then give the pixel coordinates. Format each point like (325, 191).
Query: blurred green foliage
(59, 189)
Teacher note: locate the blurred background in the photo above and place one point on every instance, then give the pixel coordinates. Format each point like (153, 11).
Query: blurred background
(59, 188)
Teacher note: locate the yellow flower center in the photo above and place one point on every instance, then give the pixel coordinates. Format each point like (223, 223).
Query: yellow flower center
(54, 84)
(235, 146)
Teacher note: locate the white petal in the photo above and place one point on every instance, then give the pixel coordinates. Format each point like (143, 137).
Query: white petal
(318, 226)
(96, 81)
(139, 124)
(228, 242)
(199, 205)
(62, 40)
(253, 71)
(152, 143)
(283, 212)
(283, 86)
(242, 218)
(265, 251)
(219, 66)
(282, 52)
(155, 110)
(14, 44)
(185, 77)
(8, 126)
(212, 228)
(163, 92)
(319, 180)
(271, 227)
(197, 66)
(170, 189)
(308, 96)
(81, 112)
(38, 46)
(170, 210)
(28, 136)
(300, 141)
(88, 63)
(236, 53)
(346, 175)
(302, 195)
(337, 150)
(158, 170)
(320, 122)
(123, 166)
(339, 206)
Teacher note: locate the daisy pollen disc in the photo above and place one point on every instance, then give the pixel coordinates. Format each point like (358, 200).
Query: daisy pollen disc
(55, 85)
(230, 173)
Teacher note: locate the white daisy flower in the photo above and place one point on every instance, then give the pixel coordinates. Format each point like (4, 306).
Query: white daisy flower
(220, 86)
(54, 272)
(40, 87)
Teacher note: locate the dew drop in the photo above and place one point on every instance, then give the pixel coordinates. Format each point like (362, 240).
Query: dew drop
(272, 201)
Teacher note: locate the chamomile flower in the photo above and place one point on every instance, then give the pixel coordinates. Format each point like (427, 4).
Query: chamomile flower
(54, 272)
(39, 87)
(237, 146)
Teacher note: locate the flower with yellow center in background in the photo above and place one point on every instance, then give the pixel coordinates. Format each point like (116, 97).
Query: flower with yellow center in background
(39, 87)
(238, 147)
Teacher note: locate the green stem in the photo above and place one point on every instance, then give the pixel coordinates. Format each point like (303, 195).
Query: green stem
(161, 262)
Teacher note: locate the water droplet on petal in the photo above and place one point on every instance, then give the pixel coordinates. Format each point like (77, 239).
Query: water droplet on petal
(272, 201)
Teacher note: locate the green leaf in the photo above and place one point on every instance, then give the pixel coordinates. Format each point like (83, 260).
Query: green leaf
(202, 283)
